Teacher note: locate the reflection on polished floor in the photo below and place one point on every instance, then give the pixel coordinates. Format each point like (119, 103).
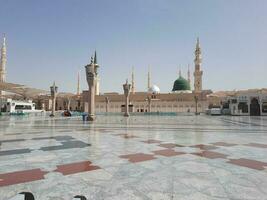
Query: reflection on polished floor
(141, 157)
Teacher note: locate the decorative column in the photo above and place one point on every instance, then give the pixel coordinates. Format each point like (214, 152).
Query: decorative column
(196, 102)
(126, 89)
(91, 76)
(149, 103)
(42, 106)
(53, 90)
(107, 103)
(68, 103)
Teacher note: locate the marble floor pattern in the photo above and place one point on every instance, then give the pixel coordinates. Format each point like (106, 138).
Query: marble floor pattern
(140, 157)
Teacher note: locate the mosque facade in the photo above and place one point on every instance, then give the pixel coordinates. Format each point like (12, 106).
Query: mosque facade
(180, 99)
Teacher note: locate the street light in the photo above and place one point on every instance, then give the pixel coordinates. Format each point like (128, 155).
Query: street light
(53, 91)
(196, 102)
(107, 102)
(91, 75)
(126, 89)
(149, 102)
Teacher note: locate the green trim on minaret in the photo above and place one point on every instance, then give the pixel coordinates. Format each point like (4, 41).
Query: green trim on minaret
(95, 59)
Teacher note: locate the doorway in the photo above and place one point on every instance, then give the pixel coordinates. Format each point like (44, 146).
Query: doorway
(255, 107)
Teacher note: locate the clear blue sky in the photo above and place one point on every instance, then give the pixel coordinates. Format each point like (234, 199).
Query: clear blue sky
(53, 39)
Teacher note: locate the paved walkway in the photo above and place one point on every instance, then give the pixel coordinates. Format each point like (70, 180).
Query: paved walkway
(142, 157)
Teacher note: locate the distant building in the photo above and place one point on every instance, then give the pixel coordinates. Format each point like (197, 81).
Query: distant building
(253, 103)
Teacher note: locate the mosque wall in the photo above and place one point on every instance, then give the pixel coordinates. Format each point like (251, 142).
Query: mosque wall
(165, 102)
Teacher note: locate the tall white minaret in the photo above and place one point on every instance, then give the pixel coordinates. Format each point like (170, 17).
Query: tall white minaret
(198, 73)
(133, 82)
(78, 84)
(148, 79)
(3, 62)
(180, 73)
(189, 75)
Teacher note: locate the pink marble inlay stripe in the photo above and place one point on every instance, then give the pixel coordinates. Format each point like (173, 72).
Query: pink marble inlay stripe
(204, 147)
(257, 145)
(138, 157)
(21, 177)
(253, 164)
(210, 154)
(167, 152)
(74, 168)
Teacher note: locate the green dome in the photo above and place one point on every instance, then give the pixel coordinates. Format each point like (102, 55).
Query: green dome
(181, 84)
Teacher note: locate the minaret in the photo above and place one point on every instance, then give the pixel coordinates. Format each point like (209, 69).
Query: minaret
(180, 73)
(148, 79)
(95, 59)
(97, 76)
(188, 75)
(198, 73)
(3, 62)
(78, 84)
(133, 83)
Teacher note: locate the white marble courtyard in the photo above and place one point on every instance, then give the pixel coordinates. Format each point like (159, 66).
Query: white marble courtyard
(141, 157)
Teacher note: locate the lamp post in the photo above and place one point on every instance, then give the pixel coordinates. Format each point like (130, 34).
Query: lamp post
(91, 75)
(53, 91)
(107, 103)
(149, 103)
(126, 89)
(196, 102)
(68, 103)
